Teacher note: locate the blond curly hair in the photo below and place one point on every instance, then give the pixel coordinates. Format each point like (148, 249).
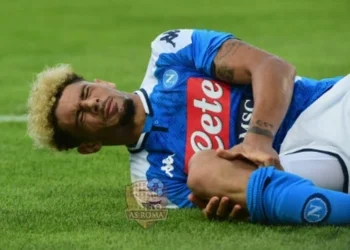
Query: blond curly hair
(43, 98)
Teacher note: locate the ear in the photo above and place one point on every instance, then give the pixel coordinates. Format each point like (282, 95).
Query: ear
(89, 148)
(107, 84)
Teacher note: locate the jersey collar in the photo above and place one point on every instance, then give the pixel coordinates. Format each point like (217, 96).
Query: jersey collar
(148, 122)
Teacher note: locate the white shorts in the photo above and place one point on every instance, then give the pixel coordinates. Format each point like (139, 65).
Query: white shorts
(325, 127)
(324, 170)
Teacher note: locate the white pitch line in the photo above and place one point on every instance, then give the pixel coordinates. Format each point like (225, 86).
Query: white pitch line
(13, 118)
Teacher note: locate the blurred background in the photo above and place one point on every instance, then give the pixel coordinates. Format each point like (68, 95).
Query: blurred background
(65, 201)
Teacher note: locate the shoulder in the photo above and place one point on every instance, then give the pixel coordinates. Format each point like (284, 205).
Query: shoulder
(172, 41)
(164, 46)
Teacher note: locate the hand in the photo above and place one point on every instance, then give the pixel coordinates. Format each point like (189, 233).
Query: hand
(219, 209)
(261, 154)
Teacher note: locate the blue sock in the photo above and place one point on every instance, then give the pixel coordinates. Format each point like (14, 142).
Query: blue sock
(277, 197)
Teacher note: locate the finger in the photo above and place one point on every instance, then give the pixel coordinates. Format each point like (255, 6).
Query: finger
(277, 163)
(273, 162)
(198, 201)
(228, 154)
(279, 166)
(223, 208)
(270, 162)
(235, 211)
(190, 197)
(212, 207)
(239, 213)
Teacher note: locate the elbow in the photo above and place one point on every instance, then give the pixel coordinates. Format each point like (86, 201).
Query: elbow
(276, 67)
(290, 68)
(287, 69)
(287, 74)
(289, 77)
(283, 72)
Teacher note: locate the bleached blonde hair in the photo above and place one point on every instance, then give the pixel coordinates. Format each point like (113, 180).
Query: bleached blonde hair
(43, 98)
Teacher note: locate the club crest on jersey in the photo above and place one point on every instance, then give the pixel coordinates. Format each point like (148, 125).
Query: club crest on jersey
(316, 209)
(170, 78)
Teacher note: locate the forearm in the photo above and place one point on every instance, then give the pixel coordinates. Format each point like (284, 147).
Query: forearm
(273, 83)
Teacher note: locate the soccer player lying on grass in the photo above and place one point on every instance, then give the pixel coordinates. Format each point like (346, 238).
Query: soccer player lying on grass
(203, 90)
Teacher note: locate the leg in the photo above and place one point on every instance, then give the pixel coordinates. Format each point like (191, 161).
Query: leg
(211, 176)
(277, 197)
(271, 196)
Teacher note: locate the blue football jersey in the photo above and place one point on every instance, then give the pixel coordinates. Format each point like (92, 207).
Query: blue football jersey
(188, 110)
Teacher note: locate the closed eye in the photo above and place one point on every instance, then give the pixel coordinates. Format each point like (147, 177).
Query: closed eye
(86, 94)
(89, 90)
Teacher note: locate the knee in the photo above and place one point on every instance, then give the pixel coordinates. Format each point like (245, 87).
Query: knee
(199, 168)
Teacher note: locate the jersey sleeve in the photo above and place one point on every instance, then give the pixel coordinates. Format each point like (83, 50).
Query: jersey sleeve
(170, 179)
(175, 190)
(195, 49)
(165, 170)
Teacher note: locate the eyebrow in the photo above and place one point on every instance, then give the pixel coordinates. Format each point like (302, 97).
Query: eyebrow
(81, 96)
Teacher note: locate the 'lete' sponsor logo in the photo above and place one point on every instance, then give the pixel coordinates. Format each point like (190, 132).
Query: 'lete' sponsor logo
(208, 116)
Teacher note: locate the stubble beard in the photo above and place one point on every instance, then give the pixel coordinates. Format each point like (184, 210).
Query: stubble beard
(129, 113)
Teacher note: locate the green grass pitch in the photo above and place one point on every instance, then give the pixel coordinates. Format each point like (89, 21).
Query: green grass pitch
(66, 201)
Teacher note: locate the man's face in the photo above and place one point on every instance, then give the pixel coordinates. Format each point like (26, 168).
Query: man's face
(95, 112)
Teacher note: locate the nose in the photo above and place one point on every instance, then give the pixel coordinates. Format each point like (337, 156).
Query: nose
(92, 105)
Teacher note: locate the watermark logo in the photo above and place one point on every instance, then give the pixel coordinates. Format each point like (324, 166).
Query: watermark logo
(146, 202)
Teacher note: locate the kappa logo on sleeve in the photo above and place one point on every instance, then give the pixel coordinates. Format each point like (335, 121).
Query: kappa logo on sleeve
(316, 209)
(169, 37)
(168, 165)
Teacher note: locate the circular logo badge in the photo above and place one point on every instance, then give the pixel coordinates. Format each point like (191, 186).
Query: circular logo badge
(156, 186)
(316, 209)
(170, 78)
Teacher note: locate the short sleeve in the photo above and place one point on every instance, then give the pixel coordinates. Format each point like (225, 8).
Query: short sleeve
(205, 45)
(171, 178)
(175, 191)
(195, 49)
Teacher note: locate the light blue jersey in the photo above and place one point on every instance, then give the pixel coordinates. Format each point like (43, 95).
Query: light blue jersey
(188, 110)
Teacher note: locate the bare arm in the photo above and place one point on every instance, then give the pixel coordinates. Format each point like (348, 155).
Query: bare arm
(272, 80)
